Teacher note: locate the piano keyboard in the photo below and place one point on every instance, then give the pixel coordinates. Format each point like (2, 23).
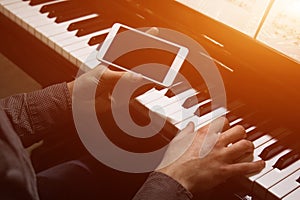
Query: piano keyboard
(74, 48)
(74, 33)
(278, 179)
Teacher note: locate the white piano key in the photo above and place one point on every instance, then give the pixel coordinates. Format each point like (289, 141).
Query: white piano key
(7, 2)
(285, 186)
(31, 13)
(7, 9)
(68, 34)
(51, 28)
(42, 20)
(92, 57)
(261, 140)
(79, 56)
(75, 39)
(164, 102)
(219, 112)
(235, 122)
(251, 128)
(154, 95)
(269, 165)
(90, 64)
(77, 42)
(266, 137)
(276, 175)
(184, 113)
(143, 97)
(205, 119)
(293, 195)
(83, 53)
(21, 14)
(61, 28)
(15, 5)
(65, 35)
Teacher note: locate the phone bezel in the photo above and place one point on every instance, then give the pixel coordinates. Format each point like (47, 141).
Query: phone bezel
(174, 68)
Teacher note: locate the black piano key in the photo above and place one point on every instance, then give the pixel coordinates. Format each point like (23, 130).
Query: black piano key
(241, 111)
(159, 87)
(253, 135)
(202, 88)
(73, 14)
(97, 39)
(267, 128)
(298, 179)
(54, 13)
(287, 159)
(84, 23)
(177, 89)
(231, 117)
(193, 100)
(37, 2)
(61, 10)
(245, 124)
(58, 5)
(272, 150)
(93, 28)
(233, 105)
(204, 109)
(285, 140)
(142, 89)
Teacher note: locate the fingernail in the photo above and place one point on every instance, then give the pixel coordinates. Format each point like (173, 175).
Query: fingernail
(191, 125)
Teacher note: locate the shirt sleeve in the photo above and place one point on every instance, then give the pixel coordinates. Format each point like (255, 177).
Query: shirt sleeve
(161, 186)
(34, 114)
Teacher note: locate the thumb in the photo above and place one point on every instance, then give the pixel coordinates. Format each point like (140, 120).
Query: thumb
(189, 128)
(110, 76)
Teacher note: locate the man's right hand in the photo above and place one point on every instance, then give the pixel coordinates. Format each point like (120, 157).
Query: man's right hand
(221, 163)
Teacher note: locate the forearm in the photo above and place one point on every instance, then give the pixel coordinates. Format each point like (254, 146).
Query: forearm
(35, 114)
(163, 187)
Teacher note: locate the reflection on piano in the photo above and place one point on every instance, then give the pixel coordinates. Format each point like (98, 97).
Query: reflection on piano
(262, 85)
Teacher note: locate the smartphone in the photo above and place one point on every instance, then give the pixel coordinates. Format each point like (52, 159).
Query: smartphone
(157, 60)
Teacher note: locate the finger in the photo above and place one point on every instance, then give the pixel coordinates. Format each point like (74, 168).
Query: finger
(110, 76)
(220, 124)
(188, 129)
(245, 168)
(153, 31)
(216, 126)
(97, 71)
(232, 135)
(226, 125)
(238, 150)
(212, 135)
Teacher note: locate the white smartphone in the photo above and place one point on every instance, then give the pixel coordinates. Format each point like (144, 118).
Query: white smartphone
(129, 49)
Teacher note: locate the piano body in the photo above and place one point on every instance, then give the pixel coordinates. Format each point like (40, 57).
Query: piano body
(49, 39)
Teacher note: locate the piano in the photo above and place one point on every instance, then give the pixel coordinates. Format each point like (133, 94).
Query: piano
(50, 39)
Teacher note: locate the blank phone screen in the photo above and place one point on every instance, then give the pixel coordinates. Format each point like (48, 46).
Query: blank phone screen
(141, 53)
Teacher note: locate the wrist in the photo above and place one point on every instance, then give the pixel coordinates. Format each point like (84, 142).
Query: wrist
(178, 177)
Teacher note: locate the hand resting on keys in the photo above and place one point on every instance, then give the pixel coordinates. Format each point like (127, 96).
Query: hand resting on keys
(104, 80)
(221, 163)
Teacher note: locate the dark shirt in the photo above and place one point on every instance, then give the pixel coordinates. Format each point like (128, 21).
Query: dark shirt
(28, 118)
